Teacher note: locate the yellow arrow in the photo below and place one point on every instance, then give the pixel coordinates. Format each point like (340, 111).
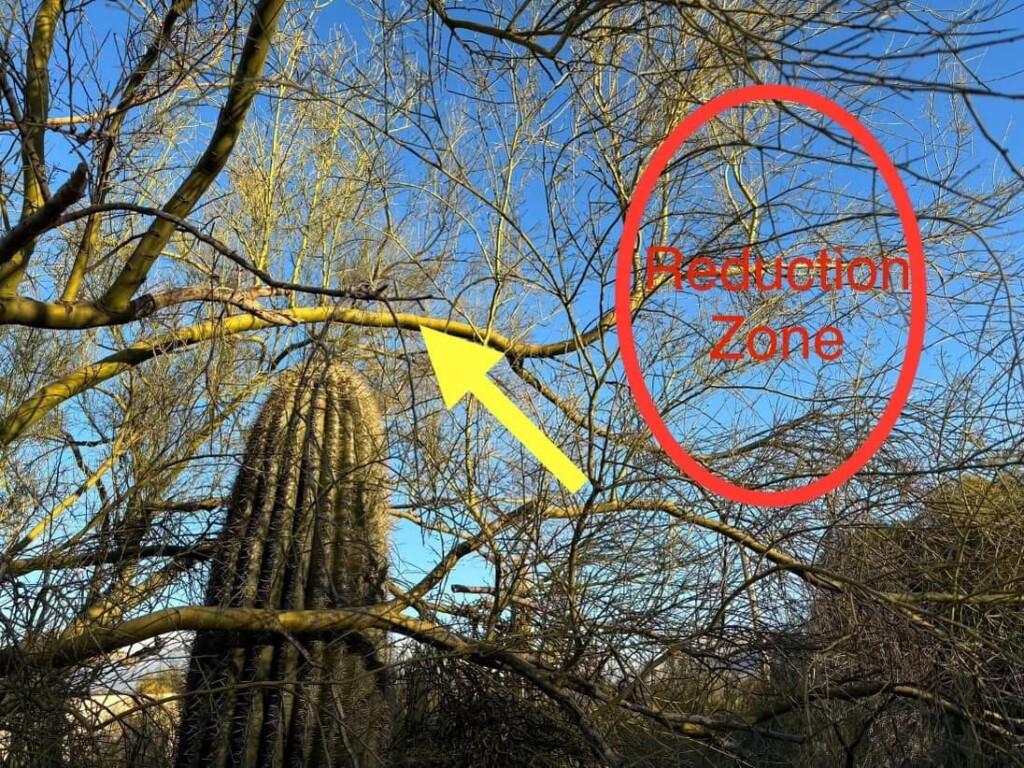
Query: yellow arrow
(461, 367)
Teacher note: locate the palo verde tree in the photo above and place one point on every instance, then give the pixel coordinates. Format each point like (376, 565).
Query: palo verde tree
(196, 195)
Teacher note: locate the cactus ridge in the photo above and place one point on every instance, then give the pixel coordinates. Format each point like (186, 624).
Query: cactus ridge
(306, 528)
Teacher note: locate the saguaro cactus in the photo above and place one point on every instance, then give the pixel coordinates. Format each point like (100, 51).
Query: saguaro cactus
(306, 528)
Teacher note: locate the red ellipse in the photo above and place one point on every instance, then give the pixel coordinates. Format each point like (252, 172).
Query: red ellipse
(623, 291)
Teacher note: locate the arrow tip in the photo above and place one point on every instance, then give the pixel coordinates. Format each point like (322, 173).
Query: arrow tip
(458, 364)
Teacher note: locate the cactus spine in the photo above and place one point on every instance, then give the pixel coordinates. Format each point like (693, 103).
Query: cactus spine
(306, 528)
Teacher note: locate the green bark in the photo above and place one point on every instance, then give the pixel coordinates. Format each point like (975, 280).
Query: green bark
(230, 121)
